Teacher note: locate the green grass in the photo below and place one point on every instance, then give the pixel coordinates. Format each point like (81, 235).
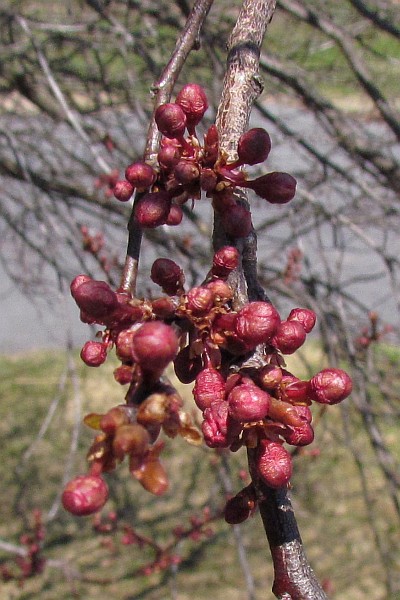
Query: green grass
(326, 491)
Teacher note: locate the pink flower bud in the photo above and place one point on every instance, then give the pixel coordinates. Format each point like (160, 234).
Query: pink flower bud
(274, 463)
(209, 386)
(170, 120)
(168, 275)
(218, 428)
(225, 260)
(294, 389)
(276, 188)
(256, 323)
(289, 336)
(199, 301)
(95, 298)
(123, 190)
(175, 215)
(153, 209)
(85, 495)
(94, 354)
(186, 172)
(155, 345)
(299, 436)
(236, 221)
(304, 316)
(140, 175)
(193, 101)
(254, 146)
(330, 386)
(248, 403)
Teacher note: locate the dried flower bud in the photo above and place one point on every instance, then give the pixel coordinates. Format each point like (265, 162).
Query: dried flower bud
(248, 403)
(175, 215)
(186, 172)
(140, 175)
(85, 495)
(269, 377)
(155, 345)
(285, 413)
(330, 386)
(236, 221)
(241, 506)
(276, 188)
(114, 418)
(153, 208)
(187, 367)
(304, 316)
(274, 463)
(221, 291)
(199, 301)
(123, 190)
(94, 354)
(193, 101)
(170, 120)
(256, 323)
(130, 439)
(225, 260)
(209, 386)
(95, 298)
(254, 146)
(151, 475)
(168, 275)
(289, 336)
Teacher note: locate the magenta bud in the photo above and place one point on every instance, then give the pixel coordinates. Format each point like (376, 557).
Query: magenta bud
(248, 403)
(168, 275)
(186, 172)
(276, 188)
(256, 323)
(77, 281)
(140, 175)
(218, 428)
(236, 221)
(254, 146)
(299, 436)
(152, 210)
(199, 301)
(225, 260)
(175, 215)
(154, 346)
(85, 495)
(95, 298)
(304, 316)
(193, 101)
(289, 336)
(274, 463)
(123, 190)
(168, 157)
(330, 386)
(209, 386)
(94, 354)
(170, 120)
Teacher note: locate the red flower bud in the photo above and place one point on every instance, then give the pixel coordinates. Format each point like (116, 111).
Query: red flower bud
(299, 436)
(236, 221)
(209, 386)
(208, 180)
(77, 281)
(140, 175)
(274, 463)
(254, 146)
(199, 300)
(289, 336)
(218, 428)
(123, 190)
(168, 157)
(123, 374)
(248, 403)
(170, 120)
(165, 307)
(175, 215)
(294, 389)
(85, 495)
(94, 354)
(153, 209)
(95, 298)
(168, 275)
(225, 260)
(124, 345)
(155, 345)
(276, 188)
(256, 323)
(193, 101)
(269, 377)
(330, 386)
(304, 316)
(186, 172)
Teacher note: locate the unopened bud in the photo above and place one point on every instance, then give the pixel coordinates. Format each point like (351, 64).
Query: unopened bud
(330, 386)
(236, 221)
(209, 386)
(193, 101)
(199, 300)
(140, 175)
(168, 275)
(123, 190)
(274, 463)
(248, 403)
(225, 260)
(152, 210)
(254, 146)
(276, 188)
(94, 354)
(155, 345)
(304, 316)
(85, 495)
(289, 336)
(170, 120)
(257, 322)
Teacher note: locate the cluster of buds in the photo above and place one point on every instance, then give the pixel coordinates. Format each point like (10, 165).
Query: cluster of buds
(186, 167)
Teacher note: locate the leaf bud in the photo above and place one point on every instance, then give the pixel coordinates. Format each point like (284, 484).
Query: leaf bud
(94, 354)
(247, 402)
(274, 463)
(140, 175)
(85, 495)
(155, 345)
(170, 120)
(257, 322)
(241, 506)
(330, 386)
(289, 336)
(304, 316)
(153, 208)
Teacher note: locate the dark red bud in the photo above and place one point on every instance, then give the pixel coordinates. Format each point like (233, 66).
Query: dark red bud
(225, 260)
(124, 345)
(274, 463)
(77, 281)
(193, 101)
(254, 146)
(299, 436)
(168, 275)
(155, 345)
(175, 215)
(256, 323)
(123, 190)
(168, 157)
(186, 366)
(85, 495)
(209, 386)
(186, 172)
(199, 300)
(95, 298)
(269, 377)
(94, 354)
(208, 180)
(241, 506)
(330, 386)
(170, 120)
(276, 188)
(248, 402)
(140, 175)
(289, 336)
(152, 210)
(164, 307)
(304, 316)
(236, 221)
